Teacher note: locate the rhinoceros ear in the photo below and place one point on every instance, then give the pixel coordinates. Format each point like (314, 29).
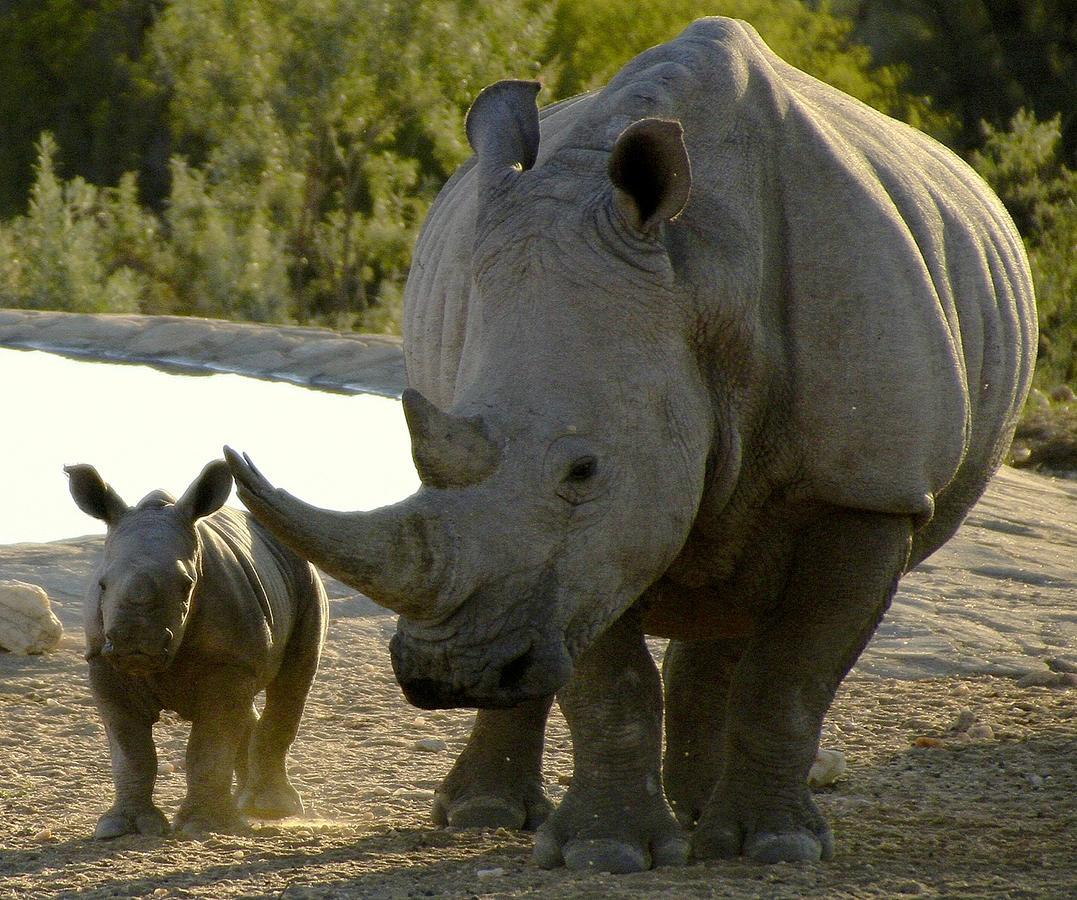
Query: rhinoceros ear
(208, 491)
(92, 495)
(503, 127)
(651, 173)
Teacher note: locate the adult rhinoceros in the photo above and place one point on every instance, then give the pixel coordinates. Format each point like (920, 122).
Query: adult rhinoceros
(716, 353)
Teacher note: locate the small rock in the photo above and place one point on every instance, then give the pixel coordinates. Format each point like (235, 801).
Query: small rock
(829, 765)
(1035, 780)
(45, 834)
(165, 768)
(981, 732)
(490, 873)
(430, 745)
(965, 720)
(160, 892)
(1046, 678)
(238, 854)
(1020, 454)
(1063, 394)
(27, 622)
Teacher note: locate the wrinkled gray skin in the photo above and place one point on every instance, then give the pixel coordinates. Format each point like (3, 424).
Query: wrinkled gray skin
(716, 353)
(197, 609)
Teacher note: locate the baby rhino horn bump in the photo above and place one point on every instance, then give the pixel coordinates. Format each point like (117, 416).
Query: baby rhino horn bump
(449, 451)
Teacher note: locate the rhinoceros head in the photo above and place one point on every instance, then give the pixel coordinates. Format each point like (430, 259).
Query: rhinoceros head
(139, 608)
(566, 475)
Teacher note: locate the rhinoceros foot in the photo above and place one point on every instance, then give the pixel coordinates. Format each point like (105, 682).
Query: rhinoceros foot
(222, 818)
(494, 805)
(633, 836)
(782, 836)
(270, 800)
(118, 821)
(496, 782)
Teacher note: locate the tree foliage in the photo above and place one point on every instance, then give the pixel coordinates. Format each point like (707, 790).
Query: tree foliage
(983, 60)
(74, 69)
(592, 39)
(272, 161)
(1023, 164)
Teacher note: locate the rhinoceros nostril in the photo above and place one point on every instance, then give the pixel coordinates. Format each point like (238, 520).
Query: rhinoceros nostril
(514, 670)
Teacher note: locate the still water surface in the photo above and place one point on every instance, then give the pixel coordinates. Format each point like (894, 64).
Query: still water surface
(145, 429)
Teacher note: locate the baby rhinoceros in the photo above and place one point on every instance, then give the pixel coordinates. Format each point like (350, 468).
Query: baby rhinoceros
(197, 609)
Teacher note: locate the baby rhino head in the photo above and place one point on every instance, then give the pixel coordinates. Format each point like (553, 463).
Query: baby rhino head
(139, 607)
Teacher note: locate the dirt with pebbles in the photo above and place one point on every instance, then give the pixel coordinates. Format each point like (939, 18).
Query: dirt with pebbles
(956, 786)
(959, 725)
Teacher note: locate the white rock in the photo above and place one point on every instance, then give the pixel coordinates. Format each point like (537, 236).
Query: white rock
(430, 745)
(27, 623)
(829, 765)
(490, 873)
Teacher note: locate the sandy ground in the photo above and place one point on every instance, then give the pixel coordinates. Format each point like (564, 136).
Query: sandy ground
(959, 726)
(922, 809)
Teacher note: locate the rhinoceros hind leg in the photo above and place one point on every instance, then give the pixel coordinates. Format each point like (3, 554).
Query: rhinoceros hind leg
(118, 822)
(267, 793)
(696, 676)
(845, 570)
(496, 781)
(614, 817)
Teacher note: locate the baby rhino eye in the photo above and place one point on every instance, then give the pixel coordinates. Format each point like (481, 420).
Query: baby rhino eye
(582, 469)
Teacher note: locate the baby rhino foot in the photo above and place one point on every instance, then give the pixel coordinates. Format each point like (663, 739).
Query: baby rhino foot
(222, 818)
(270, 800)
(485, 804)
(148, 820)
(626, 837)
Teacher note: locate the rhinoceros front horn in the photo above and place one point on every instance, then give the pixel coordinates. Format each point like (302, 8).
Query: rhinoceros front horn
(396, 555)
(449, 451)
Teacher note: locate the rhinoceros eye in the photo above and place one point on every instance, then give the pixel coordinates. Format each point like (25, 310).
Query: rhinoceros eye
(581, 470)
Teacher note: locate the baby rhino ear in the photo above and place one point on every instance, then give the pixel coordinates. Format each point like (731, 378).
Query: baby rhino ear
(92, 495)
(208, 491)
(651, 173)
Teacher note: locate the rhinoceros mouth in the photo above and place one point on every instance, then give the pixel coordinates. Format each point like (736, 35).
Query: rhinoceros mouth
(507, 674)
(136, 662)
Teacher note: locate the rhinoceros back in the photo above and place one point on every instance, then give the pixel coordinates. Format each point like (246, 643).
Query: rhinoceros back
(252, 588)
(873, 297)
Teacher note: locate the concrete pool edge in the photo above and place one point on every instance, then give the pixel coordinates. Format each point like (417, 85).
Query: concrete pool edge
(312, 357)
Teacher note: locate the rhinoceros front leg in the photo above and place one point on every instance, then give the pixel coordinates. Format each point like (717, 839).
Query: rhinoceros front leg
(497, 781)
(845, 569)
(696, 676)
(129, 727)
(220, 722)
(614, 817)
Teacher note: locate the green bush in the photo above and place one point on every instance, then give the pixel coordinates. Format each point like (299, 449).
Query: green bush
(68, 251)
(1024, 167)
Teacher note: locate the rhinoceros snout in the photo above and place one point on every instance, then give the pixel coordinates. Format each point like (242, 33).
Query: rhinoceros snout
(138, 651)
(505, 680)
